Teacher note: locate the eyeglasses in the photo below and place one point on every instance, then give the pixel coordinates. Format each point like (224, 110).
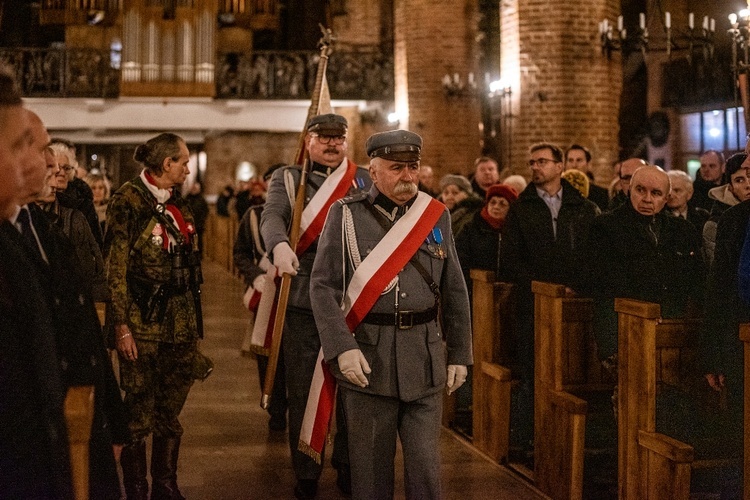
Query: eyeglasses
(328, 139)
(541, 162)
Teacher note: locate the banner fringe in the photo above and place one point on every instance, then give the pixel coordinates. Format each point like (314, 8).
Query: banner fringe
(307, 450)
(260, 350)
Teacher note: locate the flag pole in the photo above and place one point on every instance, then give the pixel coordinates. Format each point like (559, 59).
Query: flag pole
(301, 157)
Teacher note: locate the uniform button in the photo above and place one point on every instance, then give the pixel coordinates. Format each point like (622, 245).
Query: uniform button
(403, 295)
(368, 251)
(57, 301)
(80, 299)
(63, 364)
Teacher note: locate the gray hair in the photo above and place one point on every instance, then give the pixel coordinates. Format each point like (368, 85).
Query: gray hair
(60, 148)
(679, 175)
(152, 153)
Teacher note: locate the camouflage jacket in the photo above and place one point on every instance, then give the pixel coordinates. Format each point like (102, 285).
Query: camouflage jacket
(134, 249)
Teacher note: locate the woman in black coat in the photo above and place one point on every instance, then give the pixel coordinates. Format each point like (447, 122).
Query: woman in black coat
(478, 243)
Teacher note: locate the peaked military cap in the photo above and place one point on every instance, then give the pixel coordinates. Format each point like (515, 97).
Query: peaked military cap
(328, 124)
(396, 145)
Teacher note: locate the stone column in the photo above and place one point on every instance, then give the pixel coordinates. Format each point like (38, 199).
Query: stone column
(563, 89)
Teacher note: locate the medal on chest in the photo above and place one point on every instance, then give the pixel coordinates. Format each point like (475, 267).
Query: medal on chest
(157, 235)
(435, 243)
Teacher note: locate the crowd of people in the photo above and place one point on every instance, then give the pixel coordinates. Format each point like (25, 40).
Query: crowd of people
(379, 289)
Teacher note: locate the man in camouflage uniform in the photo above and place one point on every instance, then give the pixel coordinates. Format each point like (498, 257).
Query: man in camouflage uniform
(327, 146)
(153, 273)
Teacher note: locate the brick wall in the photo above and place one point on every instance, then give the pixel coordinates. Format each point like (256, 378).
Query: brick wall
(225, 151)
(433, 39)
(563, 89)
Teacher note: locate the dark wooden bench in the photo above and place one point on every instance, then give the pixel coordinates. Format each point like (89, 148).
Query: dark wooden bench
(566, 366)
(745, 337)
(492, 313)
(651, 350)
(79, 416)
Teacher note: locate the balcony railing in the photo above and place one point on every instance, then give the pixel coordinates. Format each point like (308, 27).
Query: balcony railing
(291, 75)
(62, 72)
(357, 75)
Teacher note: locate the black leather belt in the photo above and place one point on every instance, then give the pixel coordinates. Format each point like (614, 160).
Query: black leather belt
(402, 319)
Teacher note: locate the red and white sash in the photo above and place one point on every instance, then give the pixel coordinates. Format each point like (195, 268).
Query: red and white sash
(380, 266)
(261, 338)
(314, 215)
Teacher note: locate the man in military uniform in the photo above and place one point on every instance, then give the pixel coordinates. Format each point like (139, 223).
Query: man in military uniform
(386, 348)
(153, 273)
(331, 173)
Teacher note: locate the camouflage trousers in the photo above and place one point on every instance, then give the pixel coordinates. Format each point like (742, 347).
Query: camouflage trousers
(156, 386)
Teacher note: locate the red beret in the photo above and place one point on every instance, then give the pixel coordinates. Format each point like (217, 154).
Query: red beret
(503, 191)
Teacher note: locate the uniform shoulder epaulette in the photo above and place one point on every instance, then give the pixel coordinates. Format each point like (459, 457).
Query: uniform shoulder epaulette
(353, 198)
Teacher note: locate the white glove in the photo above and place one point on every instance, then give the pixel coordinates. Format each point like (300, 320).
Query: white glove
(285, 259)
(259, 283)
(353, 366)
(456, 377)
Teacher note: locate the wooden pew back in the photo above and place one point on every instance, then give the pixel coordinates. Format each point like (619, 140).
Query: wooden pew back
(650, 350)
(492, 313)
(565, 361)
(79, 415)
(565, 349)
(745, 338)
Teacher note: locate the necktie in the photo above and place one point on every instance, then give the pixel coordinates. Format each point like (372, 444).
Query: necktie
(24, 219)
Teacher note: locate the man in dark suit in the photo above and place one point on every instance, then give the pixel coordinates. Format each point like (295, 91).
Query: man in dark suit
(544, 234)
(34, 460)
(80, 355)
(679, 198)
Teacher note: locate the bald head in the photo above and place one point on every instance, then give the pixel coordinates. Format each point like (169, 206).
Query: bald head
(34, 164)
(649, 190)
(627, 169)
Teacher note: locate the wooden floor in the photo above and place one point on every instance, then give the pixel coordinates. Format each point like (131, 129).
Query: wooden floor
(229, 453)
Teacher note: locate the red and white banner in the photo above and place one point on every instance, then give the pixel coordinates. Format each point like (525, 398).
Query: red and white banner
(380, 266)
(314, 215)
(260, 341)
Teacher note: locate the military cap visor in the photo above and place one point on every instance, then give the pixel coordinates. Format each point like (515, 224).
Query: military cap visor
(395, 145)
(328, 124)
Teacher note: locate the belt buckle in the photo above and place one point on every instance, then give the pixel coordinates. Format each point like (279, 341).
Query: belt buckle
(405, 320)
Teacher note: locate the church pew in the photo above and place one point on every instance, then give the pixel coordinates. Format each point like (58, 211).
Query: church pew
(79, 415)
(651, 349)
(745, 337)
(492, 314)
(565, 365)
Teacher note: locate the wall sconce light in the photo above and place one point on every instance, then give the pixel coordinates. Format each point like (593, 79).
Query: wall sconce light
(454, 86)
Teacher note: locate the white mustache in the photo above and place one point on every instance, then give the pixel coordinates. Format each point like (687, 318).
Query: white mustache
(404, 187)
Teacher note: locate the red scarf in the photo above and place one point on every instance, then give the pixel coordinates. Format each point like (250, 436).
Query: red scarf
(496, 224)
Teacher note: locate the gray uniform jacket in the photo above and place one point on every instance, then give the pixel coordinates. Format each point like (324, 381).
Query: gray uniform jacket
(277, 218)
(407, 364)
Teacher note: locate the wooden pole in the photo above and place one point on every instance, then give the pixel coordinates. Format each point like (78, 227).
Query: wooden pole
(301, 158)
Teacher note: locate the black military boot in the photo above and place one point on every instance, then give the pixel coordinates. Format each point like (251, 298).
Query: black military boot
(164, 454)
(133, 462)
